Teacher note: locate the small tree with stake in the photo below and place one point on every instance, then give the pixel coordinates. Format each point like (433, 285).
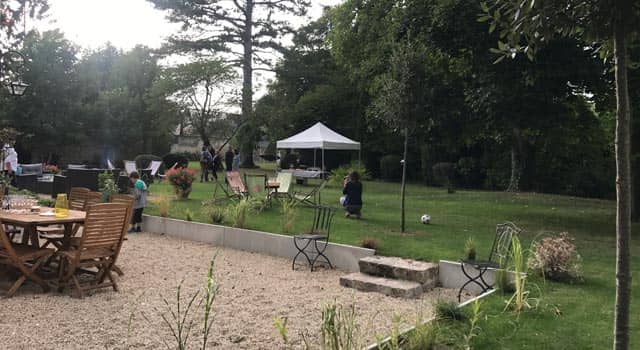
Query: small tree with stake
(400, 98)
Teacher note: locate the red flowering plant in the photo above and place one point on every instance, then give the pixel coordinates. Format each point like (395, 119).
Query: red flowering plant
(181, 179)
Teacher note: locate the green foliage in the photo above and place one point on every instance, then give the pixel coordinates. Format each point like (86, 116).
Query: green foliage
(339, 330)
(107, 184)
(188, 215)
(521, 299)
(449, 310)
(338, 174)
(390, 167)
(162, 204)
(470, 249)
(281, 326)
(444, 173)
(238, 212)
(214, 212)
(289, 214)
(46, 202)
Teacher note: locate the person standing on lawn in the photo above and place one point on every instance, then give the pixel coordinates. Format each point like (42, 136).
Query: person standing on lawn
(228, 159)
(236, 161)
(206, 164)
(140, 191)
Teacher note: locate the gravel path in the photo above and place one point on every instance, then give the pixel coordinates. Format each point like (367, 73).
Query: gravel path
(254, 288)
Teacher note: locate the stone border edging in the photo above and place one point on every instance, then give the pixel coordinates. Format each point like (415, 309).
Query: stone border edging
(342, 256)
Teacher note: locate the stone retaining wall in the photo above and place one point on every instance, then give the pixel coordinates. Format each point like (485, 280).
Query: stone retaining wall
(344, 257)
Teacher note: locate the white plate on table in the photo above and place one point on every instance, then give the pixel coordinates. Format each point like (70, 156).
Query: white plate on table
(47, 213)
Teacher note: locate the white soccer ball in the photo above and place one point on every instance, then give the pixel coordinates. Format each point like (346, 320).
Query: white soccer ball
(425, 219)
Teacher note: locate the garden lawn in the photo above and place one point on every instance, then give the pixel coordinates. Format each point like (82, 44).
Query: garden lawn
(578, 316)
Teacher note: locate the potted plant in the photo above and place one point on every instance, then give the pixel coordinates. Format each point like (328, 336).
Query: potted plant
(181, 179)
(470, 249)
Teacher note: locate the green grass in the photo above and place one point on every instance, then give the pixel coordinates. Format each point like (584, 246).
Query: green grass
(578, 316)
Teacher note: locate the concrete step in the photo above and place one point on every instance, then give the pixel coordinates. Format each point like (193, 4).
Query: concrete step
(386, 286)
(422, 272)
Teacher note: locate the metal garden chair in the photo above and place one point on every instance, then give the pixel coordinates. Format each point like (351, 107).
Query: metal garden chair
(313, 244)
(498, 258)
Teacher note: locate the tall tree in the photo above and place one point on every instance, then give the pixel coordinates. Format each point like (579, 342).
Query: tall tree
(13, 17)
(204, 89)
(247, 31)
(526, 25)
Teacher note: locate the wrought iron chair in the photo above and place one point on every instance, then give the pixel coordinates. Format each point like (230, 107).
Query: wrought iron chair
(313, 244)
(498, 258)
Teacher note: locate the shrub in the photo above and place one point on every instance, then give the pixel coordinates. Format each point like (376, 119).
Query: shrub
(390, 167)
(171, 159)
(181, 179)
(556, 258)
(470, 249)
(107, 184)
(338, 174)
(144, 160)
(188, 214)
(446, 309)
(213, 212)
(370, 243)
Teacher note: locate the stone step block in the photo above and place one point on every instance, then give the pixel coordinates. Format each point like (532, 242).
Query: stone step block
(386, 286)
(425, 273)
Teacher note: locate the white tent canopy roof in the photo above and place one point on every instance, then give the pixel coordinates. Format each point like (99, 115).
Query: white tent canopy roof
(318, 136)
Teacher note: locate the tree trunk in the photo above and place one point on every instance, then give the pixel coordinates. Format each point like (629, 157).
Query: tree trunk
(246, 148)
(516, 161)
(404, 178)
(623, 183)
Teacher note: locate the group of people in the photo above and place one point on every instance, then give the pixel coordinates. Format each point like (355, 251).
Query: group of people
(210, 162)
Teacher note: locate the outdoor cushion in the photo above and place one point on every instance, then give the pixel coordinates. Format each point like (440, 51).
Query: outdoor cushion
(31, 169)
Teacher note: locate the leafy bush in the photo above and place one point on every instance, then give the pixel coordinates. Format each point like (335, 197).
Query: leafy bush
(369, 243)
(338, 174)
(470, 249)
(107, 184)
(190, 156)
(181, 179)
(144, 160)
(556, 258)
(171, 159)
(390, 167)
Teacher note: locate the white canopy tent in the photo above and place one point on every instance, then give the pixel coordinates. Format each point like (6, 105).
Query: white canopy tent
(319, 136)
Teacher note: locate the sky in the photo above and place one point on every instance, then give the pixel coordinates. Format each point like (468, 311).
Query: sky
(124, 23)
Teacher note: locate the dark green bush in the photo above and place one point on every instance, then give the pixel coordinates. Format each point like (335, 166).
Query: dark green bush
(390, 167)
(143, 160)
(449, 310)
(191, 156)
(171, 159)
(444, 173)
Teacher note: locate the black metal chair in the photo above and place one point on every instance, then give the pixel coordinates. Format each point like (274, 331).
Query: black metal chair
(313, 244)
(498, 258)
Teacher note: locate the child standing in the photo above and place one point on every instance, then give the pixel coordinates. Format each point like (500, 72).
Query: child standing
(140, 193)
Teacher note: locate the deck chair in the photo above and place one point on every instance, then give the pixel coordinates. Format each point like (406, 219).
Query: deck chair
(285, 179)
(110, 165)
(129, 167)
(100, 243)
(312, 245)
(311, 198)
(54, 234)
(151, 172)
(498, 258)
(24, 258)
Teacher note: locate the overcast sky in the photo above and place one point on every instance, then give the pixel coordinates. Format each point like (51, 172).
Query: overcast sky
(124, 23)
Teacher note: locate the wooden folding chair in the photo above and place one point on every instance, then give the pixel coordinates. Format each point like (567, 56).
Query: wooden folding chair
(285, 179)
(129, 200)
(234, 188)
(54, 234)
(311, 198)
(100, 243)
(24, 258)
